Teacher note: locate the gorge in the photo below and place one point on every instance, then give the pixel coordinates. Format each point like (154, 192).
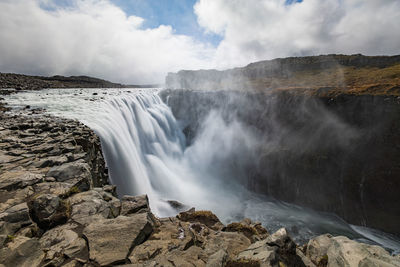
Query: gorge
(241, 153)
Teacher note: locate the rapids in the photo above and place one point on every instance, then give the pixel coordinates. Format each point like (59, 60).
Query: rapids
(146, 153)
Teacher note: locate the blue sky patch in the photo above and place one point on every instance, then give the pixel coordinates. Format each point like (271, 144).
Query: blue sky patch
(177, 13)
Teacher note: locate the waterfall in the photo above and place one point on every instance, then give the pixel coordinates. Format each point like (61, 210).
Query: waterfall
(139, 134)
(146, 153)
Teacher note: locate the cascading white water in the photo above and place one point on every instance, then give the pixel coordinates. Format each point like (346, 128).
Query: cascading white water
(146, 153)
(136, 130)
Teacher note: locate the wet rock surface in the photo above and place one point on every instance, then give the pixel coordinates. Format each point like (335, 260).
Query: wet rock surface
(334, 154)
(57, 209)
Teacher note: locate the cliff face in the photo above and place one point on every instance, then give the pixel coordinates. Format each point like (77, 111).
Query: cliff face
(317, 75)
(56, 209)
(327, 126)
(332, 154)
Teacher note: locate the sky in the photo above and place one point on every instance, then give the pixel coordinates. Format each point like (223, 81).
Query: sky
(140, 41)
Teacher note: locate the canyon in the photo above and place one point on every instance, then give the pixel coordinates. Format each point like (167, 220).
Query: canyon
(118, 187)
(329, 129)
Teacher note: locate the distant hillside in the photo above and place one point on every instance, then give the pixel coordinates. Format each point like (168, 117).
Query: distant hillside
(26, 82)
(320, 75)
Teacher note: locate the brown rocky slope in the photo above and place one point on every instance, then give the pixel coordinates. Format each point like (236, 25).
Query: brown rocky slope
(326, 75)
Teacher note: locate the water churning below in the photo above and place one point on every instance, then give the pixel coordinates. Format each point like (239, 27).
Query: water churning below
(146, 153)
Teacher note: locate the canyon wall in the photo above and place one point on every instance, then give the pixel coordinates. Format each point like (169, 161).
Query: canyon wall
(331, 148)
(332, 154)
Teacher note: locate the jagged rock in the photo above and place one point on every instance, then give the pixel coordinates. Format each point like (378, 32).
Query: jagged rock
(178, 206)
(70, 171)
(48, 210)
(326, 250)
(115, 207)
(13, 219)
(276, 249)
(217, 259)
(50, 161)
(22, 252)
(89, 206)
(18, 179)
(111, 240)
(307, 261)
(253, 231)
(54, 188)
(112, 189)
(260, 252)
(203, 216)
(317, 249)
(185, 243)
(16, 214)
(9, 199)
(63, 241)
(134, 204)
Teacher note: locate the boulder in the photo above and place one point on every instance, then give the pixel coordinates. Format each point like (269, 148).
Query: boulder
(112, 240)
(90, 206)
(54, 188)
(48, 210)
(217, 259)
(261, 253)
(326, 250)
(70, 171)
(276, 249)
(18, 179)
(63, 242)
(202, 216)
(22, 252)
(253, 231)
(178, 206)
(134, 204)
(17, 214)
(187, 244)
(13, 219)
(9, 199)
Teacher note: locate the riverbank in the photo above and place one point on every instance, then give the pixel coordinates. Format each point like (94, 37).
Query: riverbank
(57, 209)
(11, 82)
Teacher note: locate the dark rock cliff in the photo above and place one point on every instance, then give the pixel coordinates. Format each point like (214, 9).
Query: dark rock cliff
(332, 154)
(328, 129)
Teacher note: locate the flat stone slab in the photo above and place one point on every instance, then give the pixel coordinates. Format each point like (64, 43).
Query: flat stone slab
(112, 240)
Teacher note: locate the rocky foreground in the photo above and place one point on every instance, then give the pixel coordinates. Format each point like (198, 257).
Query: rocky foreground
(57, 209)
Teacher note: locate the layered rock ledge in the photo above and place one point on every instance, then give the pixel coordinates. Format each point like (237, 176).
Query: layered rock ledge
(57, 209)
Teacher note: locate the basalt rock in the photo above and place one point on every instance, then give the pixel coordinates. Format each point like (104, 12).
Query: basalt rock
(49, 218)
(134, 204)
(111, 240)
(202, 216)
(48, 210)
(327, 250)
(335, 154)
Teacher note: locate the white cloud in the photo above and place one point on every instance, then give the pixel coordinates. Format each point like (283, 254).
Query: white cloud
(95, 37)
(264, 29)
(91, 37)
